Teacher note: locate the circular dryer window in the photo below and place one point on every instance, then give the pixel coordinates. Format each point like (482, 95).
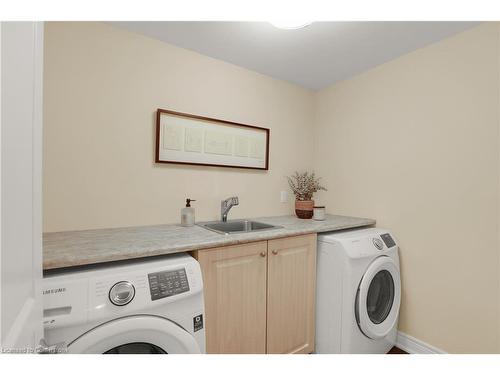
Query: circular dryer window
(136, 348)
(139, 334)
(380, 297)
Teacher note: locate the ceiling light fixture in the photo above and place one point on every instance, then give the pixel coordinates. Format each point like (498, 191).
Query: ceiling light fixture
(290, 24)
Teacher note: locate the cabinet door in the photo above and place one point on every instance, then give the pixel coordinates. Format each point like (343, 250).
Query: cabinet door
(291, 294)
(235, 298)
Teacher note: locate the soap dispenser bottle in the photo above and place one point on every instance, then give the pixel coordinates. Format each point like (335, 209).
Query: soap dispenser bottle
(187, 214)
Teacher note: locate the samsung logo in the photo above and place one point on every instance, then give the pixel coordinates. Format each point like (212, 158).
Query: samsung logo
(54, 291)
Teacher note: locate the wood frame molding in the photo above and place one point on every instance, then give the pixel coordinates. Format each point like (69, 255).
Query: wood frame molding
(159, 111)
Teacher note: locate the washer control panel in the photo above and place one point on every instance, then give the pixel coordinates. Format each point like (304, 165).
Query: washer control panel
(98, 294)
(388, 240)
(168, 283)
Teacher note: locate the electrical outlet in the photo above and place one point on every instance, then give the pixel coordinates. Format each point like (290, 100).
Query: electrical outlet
(284, 196)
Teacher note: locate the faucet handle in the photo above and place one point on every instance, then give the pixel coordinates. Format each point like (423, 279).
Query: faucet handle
(235, 201)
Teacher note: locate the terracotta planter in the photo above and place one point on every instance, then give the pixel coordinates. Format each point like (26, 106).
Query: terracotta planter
(304, 209)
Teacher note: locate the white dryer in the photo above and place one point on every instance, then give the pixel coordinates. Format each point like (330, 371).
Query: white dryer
(358, 292)
(153, 305)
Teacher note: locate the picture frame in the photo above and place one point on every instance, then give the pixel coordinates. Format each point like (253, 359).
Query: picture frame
(183, 138)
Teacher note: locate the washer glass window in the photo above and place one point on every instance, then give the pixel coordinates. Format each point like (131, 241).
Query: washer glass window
(136, 348)
(380, 296)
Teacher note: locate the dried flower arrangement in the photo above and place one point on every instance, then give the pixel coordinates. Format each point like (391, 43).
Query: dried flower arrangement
(304, 185)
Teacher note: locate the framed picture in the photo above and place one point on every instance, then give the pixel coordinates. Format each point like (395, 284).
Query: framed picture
(182, 138)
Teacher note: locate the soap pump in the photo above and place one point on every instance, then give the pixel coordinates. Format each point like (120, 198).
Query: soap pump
(187, 214)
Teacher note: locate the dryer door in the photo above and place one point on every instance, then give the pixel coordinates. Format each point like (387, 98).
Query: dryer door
(137, 334)
(378, 298)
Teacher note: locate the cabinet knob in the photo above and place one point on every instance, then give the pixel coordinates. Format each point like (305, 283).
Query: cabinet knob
(263, 254)
(275, 252)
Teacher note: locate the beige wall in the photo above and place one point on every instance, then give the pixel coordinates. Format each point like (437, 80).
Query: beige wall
(414, 143)
(102, 87)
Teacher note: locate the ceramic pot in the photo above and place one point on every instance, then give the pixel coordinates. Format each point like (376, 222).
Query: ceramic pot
(304, 209)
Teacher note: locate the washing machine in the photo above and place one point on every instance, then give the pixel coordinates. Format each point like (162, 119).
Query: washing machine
(154, 305)
(358, 291)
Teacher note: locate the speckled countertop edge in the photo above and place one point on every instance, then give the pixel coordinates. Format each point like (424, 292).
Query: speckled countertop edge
(78, 248)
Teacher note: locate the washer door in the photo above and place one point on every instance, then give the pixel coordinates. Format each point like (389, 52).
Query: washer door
(137, 334)
(378, 298)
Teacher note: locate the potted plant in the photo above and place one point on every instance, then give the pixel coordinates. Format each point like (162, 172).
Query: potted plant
(304, 185)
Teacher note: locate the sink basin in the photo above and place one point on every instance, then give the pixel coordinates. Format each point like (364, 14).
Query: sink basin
(236, 226)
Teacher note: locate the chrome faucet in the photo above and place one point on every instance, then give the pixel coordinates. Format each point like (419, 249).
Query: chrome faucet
(226, 205)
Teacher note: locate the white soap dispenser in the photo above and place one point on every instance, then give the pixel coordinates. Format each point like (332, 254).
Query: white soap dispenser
(187, 214)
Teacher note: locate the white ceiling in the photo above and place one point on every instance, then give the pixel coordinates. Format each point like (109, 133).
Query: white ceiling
(313, 57)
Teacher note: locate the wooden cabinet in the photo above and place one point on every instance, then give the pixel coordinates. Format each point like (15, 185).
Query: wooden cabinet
(291, 294)
(260, 297)
(234, 279)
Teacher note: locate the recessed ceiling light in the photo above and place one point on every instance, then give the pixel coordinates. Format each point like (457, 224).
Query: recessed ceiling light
(290, 24)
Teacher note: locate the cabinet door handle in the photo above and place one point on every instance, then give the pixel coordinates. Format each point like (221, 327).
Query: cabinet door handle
(263, 254)
(275, 252)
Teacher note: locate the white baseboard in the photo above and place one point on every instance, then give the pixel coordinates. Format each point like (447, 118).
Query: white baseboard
(414, 346)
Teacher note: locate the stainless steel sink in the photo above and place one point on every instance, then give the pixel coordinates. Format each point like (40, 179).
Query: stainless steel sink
(236, 226)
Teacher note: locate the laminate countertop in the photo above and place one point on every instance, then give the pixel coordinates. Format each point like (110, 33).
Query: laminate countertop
(85, 247)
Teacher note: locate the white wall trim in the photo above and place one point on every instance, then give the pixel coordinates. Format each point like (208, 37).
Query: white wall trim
(21, 184)
(414, 346)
